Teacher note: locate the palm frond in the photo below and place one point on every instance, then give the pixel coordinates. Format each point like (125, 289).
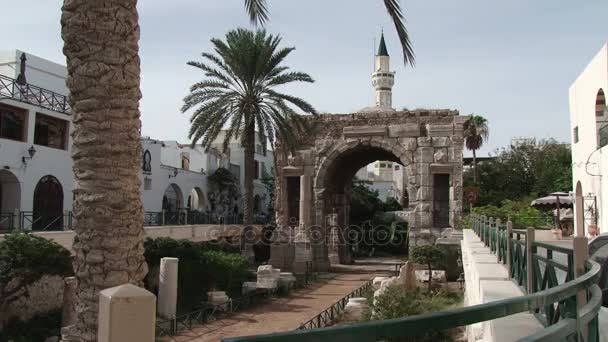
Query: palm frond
(258, 11)
(394, 11)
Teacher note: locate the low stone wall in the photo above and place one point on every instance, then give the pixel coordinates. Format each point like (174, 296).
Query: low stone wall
(198, 233)
(44, 295)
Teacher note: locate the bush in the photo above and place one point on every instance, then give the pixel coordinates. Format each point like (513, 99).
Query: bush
(397, 302)
(24, 259)
(521, 213)
(202, 267)
(38, 328)
(428, 255)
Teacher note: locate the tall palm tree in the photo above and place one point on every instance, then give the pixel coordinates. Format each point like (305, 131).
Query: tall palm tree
(258, 14)
(476, 132)
(101, 46)
(239, 94)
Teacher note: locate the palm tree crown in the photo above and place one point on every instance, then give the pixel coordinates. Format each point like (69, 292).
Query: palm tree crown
(476, 132)
(239, 96)
(258, 14)
(239, 92)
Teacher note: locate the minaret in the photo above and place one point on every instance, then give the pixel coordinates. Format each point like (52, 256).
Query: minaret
(383, 79)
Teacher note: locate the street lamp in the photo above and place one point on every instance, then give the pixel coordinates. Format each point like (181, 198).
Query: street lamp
(175, 172)
(31, 151)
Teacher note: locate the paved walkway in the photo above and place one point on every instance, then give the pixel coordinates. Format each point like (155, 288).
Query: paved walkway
(284, 314)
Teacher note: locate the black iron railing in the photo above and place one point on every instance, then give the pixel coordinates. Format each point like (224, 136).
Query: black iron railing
(9, 88)
(328, 316)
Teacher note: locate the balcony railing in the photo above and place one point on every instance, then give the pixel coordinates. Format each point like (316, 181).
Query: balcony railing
(568, 310)
(9, 88)
(28, 221)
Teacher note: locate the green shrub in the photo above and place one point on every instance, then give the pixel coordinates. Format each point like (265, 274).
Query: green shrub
(397, 302)
(521, 213)
(226, 271)
(24, 259)
(428, 255)
(203, 266)
(38, 328)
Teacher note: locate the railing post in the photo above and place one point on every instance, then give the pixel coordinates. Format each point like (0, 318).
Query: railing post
(17, 220)
(162, 217)
(489, 233)
(580, 256)
(498, 254)
(65, 219)
(509, 232)
(529, 259)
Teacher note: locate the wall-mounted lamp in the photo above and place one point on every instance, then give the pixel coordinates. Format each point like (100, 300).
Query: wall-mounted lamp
(175, 172)
(31, 151)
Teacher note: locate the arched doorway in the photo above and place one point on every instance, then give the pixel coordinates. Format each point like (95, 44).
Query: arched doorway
(172, 198)
(10, 198)
(196, 199)
(48, 205)
(336, 177)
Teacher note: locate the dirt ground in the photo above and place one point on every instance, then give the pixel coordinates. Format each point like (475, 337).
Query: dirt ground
(284, 314)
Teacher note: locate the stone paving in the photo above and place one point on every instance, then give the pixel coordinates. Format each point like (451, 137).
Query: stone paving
(284, 314)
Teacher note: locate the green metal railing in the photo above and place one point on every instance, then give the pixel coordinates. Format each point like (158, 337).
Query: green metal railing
(568, 310)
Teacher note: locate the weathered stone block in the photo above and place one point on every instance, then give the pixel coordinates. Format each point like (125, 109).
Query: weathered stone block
(403, 130)
(439, 130)
(268, 277)
(424, 193)
(441, 155)
(441, 142)
(424, 142)
(423, 207)
(363, 131)
(408, 143)
(426, 155)
(127, 313)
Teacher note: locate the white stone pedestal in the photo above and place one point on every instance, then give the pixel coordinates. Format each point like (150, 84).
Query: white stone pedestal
(167, 287)
(127, 313)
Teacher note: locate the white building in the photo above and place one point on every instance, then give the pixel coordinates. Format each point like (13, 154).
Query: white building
(36, 178)
(35, 145)
(589, 127)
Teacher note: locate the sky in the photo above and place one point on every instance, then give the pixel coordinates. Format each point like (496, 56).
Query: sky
(509, 61)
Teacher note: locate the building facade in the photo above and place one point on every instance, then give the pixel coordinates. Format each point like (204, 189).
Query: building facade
(589, 131)
(36, 179)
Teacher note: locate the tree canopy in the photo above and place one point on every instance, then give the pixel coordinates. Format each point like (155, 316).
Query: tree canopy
(523, 172)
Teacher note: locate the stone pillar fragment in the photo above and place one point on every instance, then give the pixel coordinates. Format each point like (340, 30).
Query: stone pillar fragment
(127, 313)
(167, 287)
(334, 239)
(68, 315)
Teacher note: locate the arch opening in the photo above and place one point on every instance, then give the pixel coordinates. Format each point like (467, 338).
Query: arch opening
(172, 198)
(601, 118)
(196, 199)
(342, 182)
(48, 205)
(10, 198)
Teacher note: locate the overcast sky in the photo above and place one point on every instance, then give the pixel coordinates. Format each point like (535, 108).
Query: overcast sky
(510, 61)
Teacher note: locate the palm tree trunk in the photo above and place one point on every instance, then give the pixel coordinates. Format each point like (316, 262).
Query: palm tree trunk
(101, 45)
(248, 235)
(474, 168)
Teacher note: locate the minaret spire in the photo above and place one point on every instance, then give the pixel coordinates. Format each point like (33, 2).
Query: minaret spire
(383, 79)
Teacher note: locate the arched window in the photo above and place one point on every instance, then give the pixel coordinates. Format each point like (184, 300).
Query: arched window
(601, 120)
(196, 199)
(48, 205)
(10, 197)
(185, 161)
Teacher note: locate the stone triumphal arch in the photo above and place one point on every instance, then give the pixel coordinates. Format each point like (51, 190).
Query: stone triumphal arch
(313, 182)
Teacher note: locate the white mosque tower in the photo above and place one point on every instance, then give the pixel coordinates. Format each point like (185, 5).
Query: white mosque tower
(383, 79)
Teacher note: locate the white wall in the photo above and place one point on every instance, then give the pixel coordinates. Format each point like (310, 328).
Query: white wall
(586, 159)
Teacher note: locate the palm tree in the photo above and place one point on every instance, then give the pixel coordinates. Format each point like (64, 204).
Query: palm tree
(476, 132)
(239, 95)
(258, 14)
(101, 46)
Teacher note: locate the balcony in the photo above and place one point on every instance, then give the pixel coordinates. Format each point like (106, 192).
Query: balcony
(31, 94)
